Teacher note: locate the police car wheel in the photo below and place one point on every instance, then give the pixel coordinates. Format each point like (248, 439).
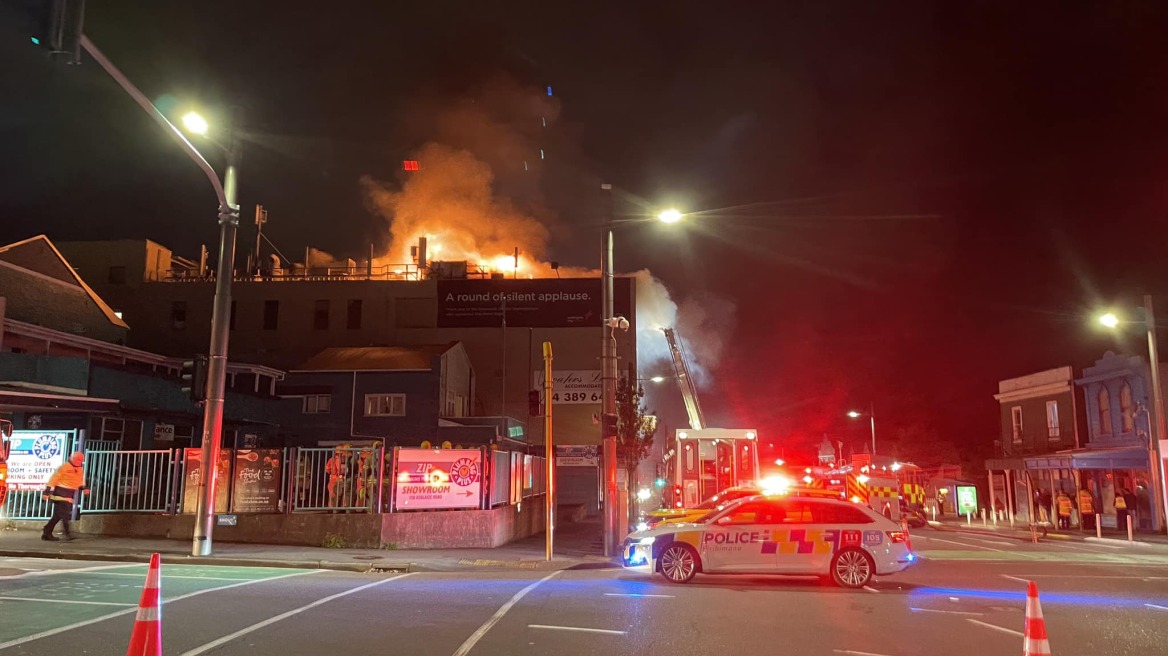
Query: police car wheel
(678, 562)
(852, 568)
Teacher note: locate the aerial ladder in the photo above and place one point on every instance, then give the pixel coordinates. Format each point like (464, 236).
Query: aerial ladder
(702, 460)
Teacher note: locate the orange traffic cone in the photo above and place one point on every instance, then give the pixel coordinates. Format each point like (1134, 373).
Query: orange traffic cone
(146, 640)
(1035, 643)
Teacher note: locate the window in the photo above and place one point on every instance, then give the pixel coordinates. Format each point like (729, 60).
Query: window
(1052, 421)
(271, 315)
(353, 319)
(1104, 412)
(832, 514)
(178, 315)
(126, 432)
(320, 315)
(752, 513)
(385, 405)
(798, 512)
(1125, 408)
(1016, 420)
(117, 275)
(316, 404)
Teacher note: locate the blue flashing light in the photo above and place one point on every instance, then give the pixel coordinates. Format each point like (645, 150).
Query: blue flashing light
(1019, 597)
(35, 40)
(912, 557)
(549, 91)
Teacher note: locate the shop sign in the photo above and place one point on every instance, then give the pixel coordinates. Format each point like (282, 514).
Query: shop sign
(438, 479)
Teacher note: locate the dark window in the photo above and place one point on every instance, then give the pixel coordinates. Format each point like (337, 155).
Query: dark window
(232, 326)
(178, 314)
(271, 315)
(830, 513)
(117, 275)
(354, 317)
(320, 315)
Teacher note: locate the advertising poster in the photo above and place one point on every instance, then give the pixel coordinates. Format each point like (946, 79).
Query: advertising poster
(543, 303)
(571, 386)
(194, 470)
(966, 499)
(257, 481)
(34, 456)
(431, 479)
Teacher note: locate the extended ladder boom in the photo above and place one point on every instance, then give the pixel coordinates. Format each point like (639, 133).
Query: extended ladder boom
(689, 392)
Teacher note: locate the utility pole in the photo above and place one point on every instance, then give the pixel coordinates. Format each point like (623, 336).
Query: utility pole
(1156, 462)
(608, 379)
(261, 217)
(549, 450)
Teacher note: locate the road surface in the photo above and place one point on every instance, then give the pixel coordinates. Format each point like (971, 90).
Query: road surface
(965, 598)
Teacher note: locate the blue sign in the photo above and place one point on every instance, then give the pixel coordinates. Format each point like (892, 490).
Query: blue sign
(34, 456)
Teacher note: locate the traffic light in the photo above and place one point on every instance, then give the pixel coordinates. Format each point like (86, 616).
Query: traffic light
(194, 378)
(676, 496)
(608, 425)
(58, 27)
(534, 407)
(660, 482)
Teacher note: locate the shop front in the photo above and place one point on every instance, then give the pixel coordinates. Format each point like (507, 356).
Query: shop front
(1107, 485)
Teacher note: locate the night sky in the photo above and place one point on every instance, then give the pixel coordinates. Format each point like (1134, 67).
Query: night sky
(894, 203)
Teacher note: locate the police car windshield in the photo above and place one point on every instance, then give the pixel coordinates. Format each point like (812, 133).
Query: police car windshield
(724, 498)
(721, 507)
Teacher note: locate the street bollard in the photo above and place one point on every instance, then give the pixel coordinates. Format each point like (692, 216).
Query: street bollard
(1099, 527)
(983, 519)
(1130, 538)
(934, 513)
(995, 519)
(1011, 519)
(1034, 534)
(968, 518)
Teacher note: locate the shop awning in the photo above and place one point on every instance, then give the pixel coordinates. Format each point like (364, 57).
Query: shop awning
(12, 401)
(1128, 457)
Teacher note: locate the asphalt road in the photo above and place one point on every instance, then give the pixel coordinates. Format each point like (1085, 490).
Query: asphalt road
(966, 597)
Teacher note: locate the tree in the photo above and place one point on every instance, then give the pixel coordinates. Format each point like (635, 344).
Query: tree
(635, 428)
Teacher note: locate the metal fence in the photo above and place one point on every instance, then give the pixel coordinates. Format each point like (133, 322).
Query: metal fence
(129, 481)
(500, 477)
(27, 504)
(336, 479)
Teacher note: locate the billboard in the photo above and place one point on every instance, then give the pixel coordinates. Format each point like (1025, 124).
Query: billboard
(35, 455)
(533, 303)
(257, 481)
(194, 469)
(571, 386)
(438, 479)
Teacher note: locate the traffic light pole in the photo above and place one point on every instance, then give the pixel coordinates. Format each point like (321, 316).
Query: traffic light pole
(608, 382)
(549, 451)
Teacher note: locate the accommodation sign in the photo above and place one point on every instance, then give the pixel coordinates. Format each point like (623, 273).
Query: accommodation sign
(571, 386)
(438, 479)
(542, 303)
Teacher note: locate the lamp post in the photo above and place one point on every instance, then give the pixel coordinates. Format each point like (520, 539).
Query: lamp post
(856, 414)
(608, 367)
(1155, 462)
(201, 542)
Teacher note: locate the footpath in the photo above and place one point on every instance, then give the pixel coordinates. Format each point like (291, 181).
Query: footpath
(577, 546)
(1022, 532)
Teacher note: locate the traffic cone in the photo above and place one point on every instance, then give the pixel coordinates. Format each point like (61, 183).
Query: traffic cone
(1035, 642)
(146, 640)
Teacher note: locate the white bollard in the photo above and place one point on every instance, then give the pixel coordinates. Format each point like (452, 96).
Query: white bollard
(983, 519)
(995, 519)
(968, 518)
(934, 513)
(1130, 538)
(1011, 519)
(1099, 526)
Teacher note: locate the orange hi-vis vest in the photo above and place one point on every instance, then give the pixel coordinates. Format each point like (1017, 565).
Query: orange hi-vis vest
(65, 482)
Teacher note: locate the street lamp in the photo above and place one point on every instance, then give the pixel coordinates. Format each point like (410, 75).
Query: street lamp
(1155, 454)
(669, 216)
(217, 351)
(657, 379)
(856, 414)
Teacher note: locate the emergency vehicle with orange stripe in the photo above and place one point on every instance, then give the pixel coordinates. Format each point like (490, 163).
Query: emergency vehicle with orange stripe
(844, 541)
(881, 488)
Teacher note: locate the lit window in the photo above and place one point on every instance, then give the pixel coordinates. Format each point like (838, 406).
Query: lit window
(315, 404)
(385, 405)
(1104, 412)
(1016, 419)
(1052, 421)
(1125, 408)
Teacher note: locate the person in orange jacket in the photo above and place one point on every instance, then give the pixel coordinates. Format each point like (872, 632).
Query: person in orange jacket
(62, 490)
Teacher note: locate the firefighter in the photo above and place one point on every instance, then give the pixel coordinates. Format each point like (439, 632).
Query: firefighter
(337, 469)
(1065, 505)
(61, 490)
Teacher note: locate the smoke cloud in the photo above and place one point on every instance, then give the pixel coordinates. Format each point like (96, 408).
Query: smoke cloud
(476, 197)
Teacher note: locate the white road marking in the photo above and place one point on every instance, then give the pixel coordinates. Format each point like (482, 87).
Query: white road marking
(77, 625)
(574, 628)
(1082, 548)
(1108, 546)
(947, 612)
(174, 576)
(1156, 606)
(1015, 578)
(1008, 544)
(202, 649)
(964, 544)
(1099, 576)
(851, 652)
(995, 627)
(470, 642)
(871, 589)
(66, 601)
(638, 595)
(95, 568)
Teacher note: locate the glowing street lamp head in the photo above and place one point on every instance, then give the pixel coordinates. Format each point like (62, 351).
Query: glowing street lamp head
(855, 413)
(669, 216)
(658, 379)
(1109, 320)
(195, 123)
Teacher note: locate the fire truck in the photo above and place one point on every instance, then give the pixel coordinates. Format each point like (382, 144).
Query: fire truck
(5, 447)
(881, 488)
(703, 461)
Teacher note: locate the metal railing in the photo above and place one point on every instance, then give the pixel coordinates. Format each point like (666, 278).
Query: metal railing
(340, 479)
(26, 504)
(500, 477)
(129, 481)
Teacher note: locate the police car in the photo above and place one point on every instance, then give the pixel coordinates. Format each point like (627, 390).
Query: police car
(775, 535)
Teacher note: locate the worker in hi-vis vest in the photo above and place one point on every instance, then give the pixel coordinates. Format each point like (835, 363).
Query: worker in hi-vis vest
(62, 489)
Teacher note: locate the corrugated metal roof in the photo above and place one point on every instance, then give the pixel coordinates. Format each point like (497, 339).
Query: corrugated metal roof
(376, 358)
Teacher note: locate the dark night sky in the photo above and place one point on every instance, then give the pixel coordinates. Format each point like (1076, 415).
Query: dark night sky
(1024, 150)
